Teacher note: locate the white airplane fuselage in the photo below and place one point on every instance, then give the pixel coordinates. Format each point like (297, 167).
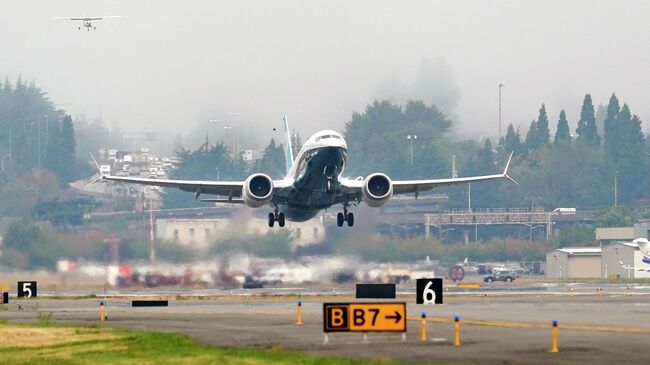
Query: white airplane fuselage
(316, 176)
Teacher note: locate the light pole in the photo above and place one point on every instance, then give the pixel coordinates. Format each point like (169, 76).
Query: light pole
(530, 235)
(411, 138)
(616, 189)
(228, 128)
(39, 144)
(218, 177)
(500, 87)
(215, 122)
(3, 161)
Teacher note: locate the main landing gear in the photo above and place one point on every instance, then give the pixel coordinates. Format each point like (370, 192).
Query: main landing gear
(276, 217)
(345, 217)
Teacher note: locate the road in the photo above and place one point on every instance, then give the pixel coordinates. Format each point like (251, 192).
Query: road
(512, 327)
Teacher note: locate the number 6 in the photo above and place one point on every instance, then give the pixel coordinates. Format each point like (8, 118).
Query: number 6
(428, 295)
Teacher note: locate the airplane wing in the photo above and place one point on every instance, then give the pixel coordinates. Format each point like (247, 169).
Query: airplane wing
(418, 186)
(198, 187)
(647, 269)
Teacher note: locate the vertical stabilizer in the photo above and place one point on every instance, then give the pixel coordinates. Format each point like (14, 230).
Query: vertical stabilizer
(288, 150)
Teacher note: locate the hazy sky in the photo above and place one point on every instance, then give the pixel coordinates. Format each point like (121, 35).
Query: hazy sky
(168, 65)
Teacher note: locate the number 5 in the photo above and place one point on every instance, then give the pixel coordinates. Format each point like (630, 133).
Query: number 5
(27, 289)
(428, 295)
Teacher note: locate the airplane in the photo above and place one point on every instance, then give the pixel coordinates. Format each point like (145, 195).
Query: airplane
(630, 268)
(87, 20)
(313, 182)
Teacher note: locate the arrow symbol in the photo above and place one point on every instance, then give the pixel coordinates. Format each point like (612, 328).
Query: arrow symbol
(397, 317)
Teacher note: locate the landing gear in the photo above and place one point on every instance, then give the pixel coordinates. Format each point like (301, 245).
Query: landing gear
(345, 217)
(276, 217)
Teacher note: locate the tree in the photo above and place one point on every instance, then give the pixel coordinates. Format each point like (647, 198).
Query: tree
(272, 162)
(66, 165)
(624, 149)
(40, 247)
(532, 137)
(614, 217)
(612, 132)
(543, 133)
(587, 130)
(562, 133)
(384, 123)
(512, 141)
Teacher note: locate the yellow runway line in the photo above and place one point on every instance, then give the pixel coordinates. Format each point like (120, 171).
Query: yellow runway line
(565, 327)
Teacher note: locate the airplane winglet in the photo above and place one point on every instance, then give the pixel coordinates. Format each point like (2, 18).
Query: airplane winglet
(505, 171)
(99, 171)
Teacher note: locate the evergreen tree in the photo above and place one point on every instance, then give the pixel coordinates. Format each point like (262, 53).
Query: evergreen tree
(66, 165)
(612, 132)
(543, 133)
(272, 162)
(587, 130)
(512, 141)
(562, 133)
(532, 137)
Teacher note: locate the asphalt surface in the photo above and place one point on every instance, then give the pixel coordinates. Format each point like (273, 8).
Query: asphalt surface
(497, 327)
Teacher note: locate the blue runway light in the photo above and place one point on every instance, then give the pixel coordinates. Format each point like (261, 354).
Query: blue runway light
(456, 318)
(424, 314)
(101, 302)
(554, 323)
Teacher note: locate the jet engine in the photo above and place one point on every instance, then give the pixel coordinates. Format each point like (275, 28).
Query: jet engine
(377, 189)
(257, 190)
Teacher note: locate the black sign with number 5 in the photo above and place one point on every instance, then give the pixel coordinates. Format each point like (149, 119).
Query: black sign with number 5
(429, 291)
(27, 289)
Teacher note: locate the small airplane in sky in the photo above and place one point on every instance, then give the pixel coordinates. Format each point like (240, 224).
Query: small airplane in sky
(87, 20)
(313, 182)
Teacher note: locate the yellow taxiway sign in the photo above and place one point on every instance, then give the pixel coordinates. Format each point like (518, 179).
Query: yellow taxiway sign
(364, 317)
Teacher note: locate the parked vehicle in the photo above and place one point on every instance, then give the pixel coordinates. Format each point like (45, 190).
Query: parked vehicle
(506, 276)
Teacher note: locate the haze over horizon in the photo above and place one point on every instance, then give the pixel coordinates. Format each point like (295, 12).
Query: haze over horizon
(170, 66)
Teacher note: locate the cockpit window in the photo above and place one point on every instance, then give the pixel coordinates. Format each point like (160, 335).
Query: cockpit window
(325, 136)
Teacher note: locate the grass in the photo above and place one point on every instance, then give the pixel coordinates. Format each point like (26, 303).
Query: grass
(56, 344)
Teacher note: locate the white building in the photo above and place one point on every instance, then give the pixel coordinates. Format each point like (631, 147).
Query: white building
(573, 262)
(620, 258)
(202, 232)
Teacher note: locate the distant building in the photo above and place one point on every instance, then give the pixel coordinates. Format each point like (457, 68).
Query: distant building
(202, 232)
(620, 258)
(612, 234)
(197, 233)
(573, 263)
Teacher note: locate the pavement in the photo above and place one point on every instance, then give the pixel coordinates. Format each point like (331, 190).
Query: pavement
(511, 325)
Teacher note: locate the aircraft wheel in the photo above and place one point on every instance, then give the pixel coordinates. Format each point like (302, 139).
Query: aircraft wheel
(281, 219)
(350, 219)
(271, 219)
(339, 219)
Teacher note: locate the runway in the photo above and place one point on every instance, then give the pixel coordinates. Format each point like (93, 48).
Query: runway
(496, 329)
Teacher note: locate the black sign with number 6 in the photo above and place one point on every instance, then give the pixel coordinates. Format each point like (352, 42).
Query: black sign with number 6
(429, 291)
(27, 289)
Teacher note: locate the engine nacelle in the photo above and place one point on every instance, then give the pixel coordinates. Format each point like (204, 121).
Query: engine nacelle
(257, 190)
(377, 189)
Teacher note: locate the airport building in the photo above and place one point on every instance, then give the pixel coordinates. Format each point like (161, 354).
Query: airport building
(621, 259)
(574, 262)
